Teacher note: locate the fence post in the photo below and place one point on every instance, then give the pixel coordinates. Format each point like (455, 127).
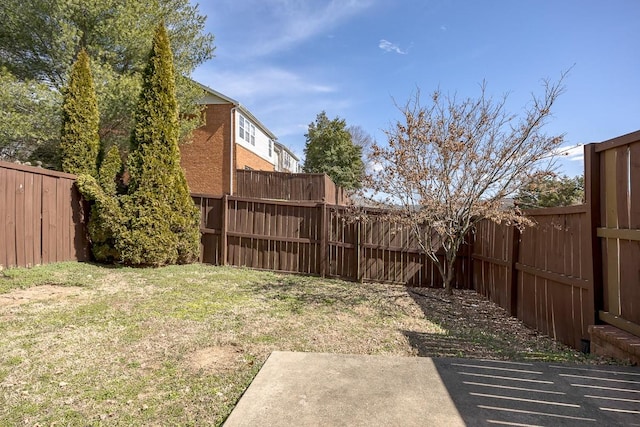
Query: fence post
(513, 252)
(469, 270)
(358, 251)
(593, 200)
(324, 239)
(223, 230)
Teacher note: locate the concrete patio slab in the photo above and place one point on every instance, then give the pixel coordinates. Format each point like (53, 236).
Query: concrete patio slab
(311, 389)
(317, 389)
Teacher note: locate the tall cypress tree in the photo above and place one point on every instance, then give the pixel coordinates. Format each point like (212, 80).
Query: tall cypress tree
(80, 142)
(162, 221)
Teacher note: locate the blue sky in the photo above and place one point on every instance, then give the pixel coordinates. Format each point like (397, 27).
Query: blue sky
(288, 60)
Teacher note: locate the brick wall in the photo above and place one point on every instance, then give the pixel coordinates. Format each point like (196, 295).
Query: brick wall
(245, 157)
(206, 159)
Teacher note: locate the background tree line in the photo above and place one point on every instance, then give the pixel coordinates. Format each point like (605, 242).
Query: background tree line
(40, 39)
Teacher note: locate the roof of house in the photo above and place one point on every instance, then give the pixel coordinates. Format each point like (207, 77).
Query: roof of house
(240, 107)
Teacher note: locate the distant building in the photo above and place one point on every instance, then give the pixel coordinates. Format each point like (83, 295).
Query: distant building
(286, 161)
(232, 138)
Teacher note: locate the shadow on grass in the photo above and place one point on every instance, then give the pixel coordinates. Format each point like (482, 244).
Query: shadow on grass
(308, 291)
(445, 345)
(477, 328)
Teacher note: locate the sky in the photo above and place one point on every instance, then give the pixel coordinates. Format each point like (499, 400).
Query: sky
(288, 60)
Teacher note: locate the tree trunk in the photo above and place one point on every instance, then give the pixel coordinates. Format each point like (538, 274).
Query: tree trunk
(448, 281)
(450, 274)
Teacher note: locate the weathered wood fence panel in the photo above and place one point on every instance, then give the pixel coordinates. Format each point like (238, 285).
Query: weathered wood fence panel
(314, 238)
(555, 284)
(544, 275)
(389, 252)
(42, 217)
(316, 187)
(618, 164)
(492, 263)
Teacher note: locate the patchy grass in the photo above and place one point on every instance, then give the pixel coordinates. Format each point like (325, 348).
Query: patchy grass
(84, 344)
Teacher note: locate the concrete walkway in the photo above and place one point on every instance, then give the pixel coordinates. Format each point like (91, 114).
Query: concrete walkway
(311, 389)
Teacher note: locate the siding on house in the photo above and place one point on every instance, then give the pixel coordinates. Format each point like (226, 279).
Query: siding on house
(258, 142)
(285, 160)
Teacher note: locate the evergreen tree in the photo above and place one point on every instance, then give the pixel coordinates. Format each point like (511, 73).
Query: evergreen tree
(79, 140)
(329, 149)
(162, 223)
(39, 41)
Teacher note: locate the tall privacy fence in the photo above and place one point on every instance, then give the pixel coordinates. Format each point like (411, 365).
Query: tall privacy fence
(41, 217)
(255, 184)
(580, 265)
(315, 238)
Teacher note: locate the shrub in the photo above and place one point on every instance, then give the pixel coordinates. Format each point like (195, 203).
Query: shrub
(162, 222)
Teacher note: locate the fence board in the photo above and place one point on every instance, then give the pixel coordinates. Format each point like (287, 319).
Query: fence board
(29, 220)
(10, 219)
(4, 208)
(634, 190)
(20, 226)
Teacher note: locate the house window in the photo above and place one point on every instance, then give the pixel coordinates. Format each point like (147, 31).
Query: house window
(286, 160)
(270, 142)
(242, 125)
(247, 131)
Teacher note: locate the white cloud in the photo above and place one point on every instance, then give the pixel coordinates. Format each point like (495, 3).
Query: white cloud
(255, 85)
(443, 27)
(572, 153)
(387, 46)
(284, 101)
(270, 26)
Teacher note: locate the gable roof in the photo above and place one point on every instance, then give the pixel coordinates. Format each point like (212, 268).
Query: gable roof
(285, 148)
(239, 106)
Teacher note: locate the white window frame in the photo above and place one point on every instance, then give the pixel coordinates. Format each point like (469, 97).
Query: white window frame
(246, 130)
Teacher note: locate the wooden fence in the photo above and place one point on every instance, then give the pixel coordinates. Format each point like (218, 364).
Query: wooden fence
(316, 187)
(580, 265)
(615, 165)
(315, 238)
(42, 217)
(544, 275)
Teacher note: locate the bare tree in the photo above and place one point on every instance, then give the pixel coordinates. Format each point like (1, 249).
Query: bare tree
(361, 138)
(452, 163)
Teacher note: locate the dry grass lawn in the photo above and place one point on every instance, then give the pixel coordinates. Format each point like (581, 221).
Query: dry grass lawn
(91, 345)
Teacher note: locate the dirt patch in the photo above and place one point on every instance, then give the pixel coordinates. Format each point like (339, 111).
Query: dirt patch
(38, 293)
(216, 359)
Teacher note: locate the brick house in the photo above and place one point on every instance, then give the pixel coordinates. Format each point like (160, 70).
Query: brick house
(232, 138)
